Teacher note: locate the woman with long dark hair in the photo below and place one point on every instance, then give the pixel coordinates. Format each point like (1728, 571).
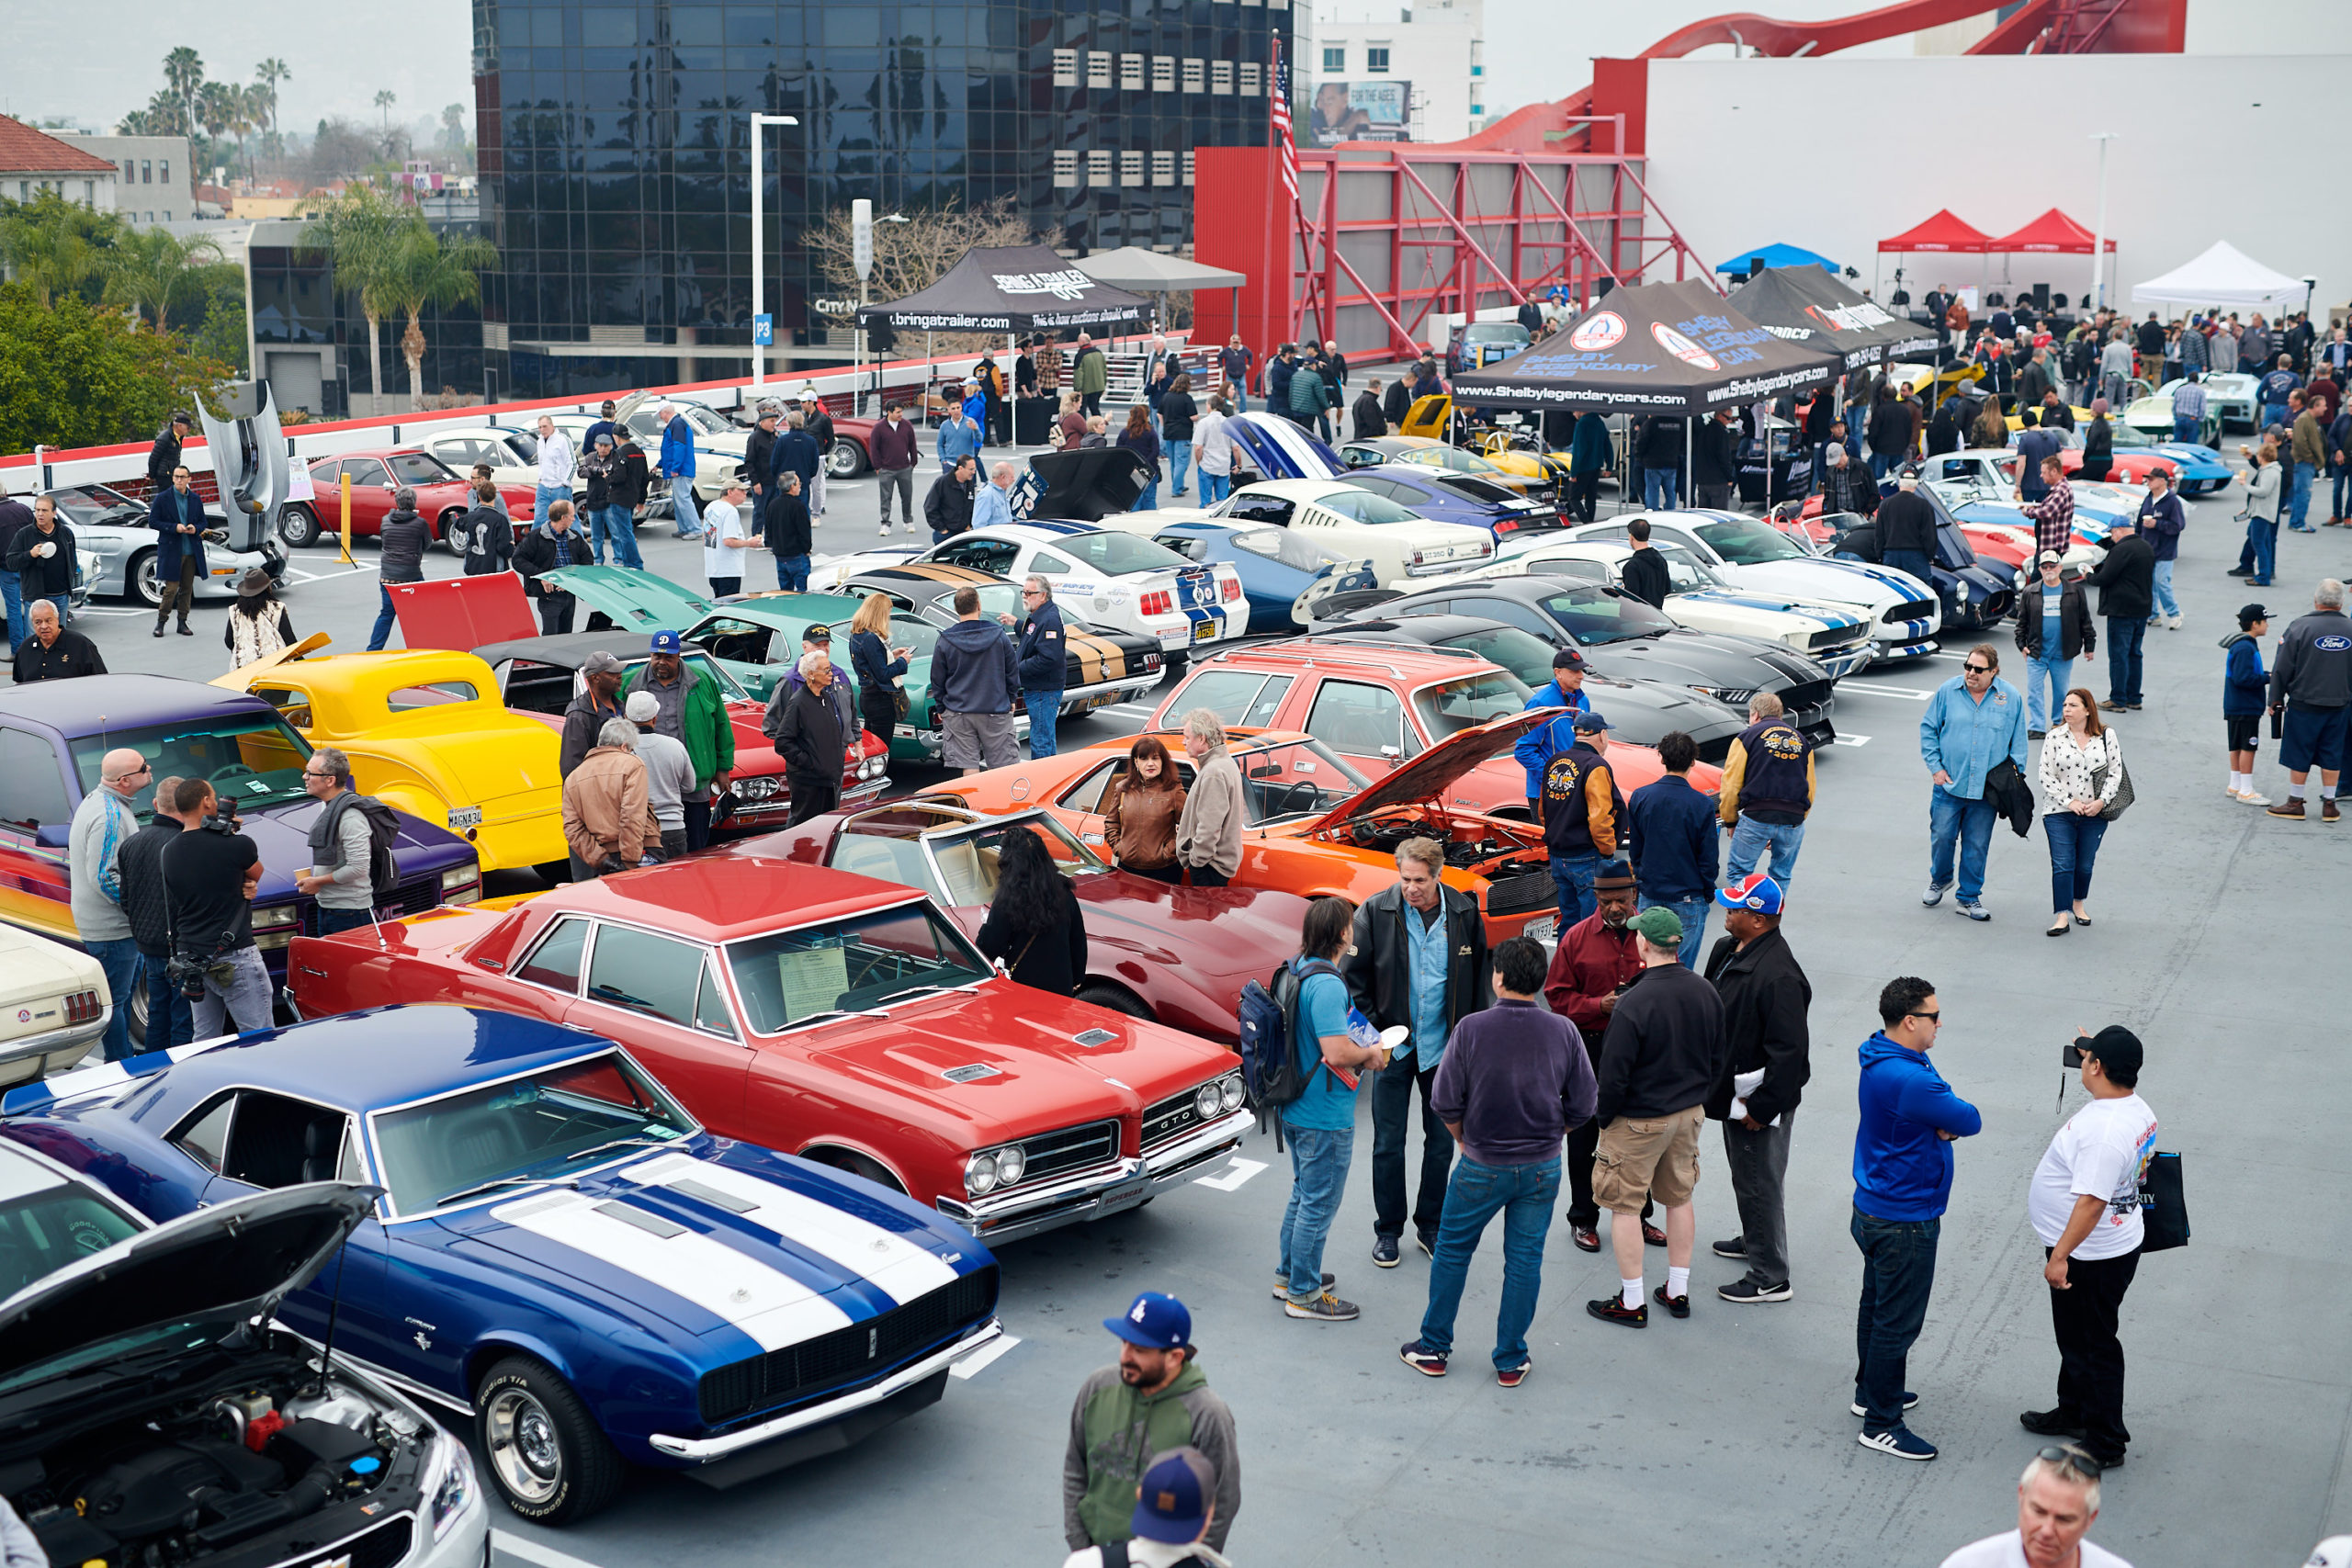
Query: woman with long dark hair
(1140, 810)
(2099, 446)
(1137, 438)
(1034, 922)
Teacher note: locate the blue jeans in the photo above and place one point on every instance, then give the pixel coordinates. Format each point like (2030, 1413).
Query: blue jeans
(1880, 464)
(615, 523)
(1572, 876)
(2341, 495)
(2048, 676)
(2184, 430)
(1750, 839)
(120, 960)
(1045, 708)
(792, 573)
(12, 596)
(1525, 1194)
(61, 602)
(1215, 487)
(1658, 489)
(2074, 847)
(1318, 1175)
(681, 504)
(1954, 819)
(2125, 635)
(1241, 397)
(385, 619)
(171, 1017)
(2300, 499)
(2272, 414)
(1912, 563)
(1898, 1273)
(1149, 499)
(2165, 603)
(1693, 913)
(1179, 457)
(2263, 535)
(543, 497)
(334, 920)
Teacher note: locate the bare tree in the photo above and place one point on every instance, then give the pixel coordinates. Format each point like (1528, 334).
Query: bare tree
(915, 255)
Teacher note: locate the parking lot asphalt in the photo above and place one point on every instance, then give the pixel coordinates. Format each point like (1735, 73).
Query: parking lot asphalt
(2217, 935)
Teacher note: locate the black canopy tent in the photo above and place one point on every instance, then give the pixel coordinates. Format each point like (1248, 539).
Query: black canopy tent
(1806, 307)
(1009, 290)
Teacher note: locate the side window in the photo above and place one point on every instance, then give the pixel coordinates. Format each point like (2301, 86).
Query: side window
(366, 472)
(32, 788)
(204, 1135)
(432, 693)
(1269, 701)
(1048, 564)
(1270, 509)
(1224, 693)
(555, 963)
(539, 688)
(1358, 719)
(1086, 794)
(656, 975)
(277, 1142)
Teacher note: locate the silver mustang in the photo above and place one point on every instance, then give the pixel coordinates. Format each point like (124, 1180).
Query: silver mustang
(118, 548)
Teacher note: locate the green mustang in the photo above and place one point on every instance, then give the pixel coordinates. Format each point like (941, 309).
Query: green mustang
(620, 598)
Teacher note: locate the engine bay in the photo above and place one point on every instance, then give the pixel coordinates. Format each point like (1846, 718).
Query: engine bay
(1486, 853)
(267, 1467)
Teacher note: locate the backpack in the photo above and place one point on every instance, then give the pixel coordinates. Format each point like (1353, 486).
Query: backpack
(383, 833)
(1269, 1045)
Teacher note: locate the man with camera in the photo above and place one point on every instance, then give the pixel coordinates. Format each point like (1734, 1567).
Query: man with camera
(209, 874)
(2085, 1205)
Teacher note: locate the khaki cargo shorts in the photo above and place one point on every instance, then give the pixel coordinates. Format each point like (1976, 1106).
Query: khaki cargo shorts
(1642, 1157)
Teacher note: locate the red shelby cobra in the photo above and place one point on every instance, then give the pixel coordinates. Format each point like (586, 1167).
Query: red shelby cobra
(830, 1016)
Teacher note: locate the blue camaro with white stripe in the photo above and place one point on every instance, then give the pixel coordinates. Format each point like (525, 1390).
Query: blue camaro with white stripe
(559, 1250)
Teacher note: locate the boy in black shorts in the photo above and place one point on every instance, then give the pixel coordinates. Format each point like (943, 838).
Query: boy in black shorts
(2244, 693)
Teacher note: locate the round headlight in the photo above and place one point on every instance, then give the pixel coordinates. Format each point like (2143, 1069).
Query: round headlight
(980, 1174)
(1010, 1163)
(1206, 1099)
(1233, 1092)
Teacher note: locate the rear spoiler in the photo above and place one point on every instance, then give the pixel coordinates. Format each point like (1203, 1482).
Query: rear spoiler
(105, 1078)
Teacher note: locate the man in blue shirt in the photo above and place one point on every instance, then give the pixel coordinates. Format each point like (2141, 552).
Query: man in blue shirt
(1319, 1126)
(1973, 722)
(1418, 961)
(2276, 384)
(1902, 1166)
(959, 437)
(1671, 841)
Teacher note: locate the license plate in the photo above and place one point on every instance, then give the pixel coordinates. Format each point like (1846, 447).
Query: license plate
(1542, 930)
(1204, 631)
(464, 816)
(1173, 640)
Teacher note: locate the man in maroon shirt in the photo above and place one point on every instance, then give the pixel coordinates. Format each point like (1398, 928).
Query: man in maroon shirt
(1595, 957)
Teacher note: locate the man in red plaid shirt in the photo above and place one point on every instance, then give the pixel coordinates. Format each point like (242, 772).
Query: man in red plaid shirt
(2054, 515)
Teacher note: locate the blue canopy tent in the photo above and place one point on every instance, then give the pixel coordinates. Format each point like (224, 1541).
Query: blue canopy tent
(1777, 257)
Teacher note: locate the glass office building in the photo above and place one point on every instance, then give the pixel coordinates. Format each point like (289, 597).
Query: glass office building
(615, 153)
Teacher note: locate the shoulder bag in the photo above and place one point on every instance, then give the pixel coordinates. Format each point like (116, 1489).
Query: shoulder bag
(2123, 794)
(2164, 1205)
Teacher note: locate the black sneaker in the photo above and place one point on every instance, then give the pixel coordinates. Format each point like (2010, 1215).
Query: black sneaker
(1282, 1284)
(1678, 1305)
(1324, 1308)
(1384, 1251)
(1858, 1408)
(1746, 1292)
(1735, 1247)
(2050, 1424)
(1429, 1363)
(1613, 1309)
(1427, 1242)
(1901, 1443)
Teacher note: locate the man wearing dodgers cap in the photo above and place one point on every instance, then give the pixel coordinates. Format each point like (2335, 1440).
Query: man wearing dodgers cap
(1766, 999)
(1127, 1419)
(1174, 1509)
(694, 713)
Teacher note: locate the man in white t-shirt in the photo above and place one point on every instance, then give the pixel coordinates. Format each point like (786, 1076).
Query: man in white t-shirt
(2085, 1205)
(2057, 1500)
(724, 538)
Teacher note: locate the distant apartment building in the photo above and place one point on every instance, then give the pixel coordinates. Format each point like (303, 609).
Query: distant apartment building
(33, 160)
(155, 182)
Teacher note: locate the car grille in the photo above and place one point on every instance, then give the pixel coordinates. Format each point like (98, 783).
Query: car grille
(1909, 610)
(857, 1353)
(1715, 751)
(1072, 1148)
(1805, 697)
(1171, 1119)
(1835, 636)
(379, 1547)
(1995, 607)
(1516, 895)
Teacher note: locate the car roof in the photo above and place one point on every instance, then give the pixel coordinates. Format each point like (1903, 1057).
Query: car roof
(1298, 490)
(1290, 653)
(407, 449)
(96, 704)
(1530, 588)
(25, 1170)
(687, 897)
(939, 574)
(1430, 629)
(386, 669)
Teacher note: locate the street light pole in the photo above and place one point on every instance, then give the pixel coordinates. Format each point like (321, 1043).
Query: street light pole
(759, 240)
(2099, 235)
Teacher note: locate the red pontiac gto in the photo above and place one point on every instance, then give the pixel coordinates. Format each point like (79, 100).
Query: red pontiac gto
(832, 1016)
(1178, 956)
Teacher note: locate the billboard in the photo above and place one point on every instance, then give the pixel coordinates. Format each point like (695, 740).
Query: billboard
(1360, 111)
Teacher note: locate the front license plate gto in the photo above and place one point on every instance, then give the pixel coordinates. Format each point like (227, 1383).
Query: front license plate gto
(464, 816)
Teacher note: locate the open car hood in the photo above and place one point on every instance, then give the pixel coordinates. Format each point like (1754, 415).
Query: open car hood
(238, 1258)
(1435, 771)
(463, 613)
(240, 678)
(1086, 485)
(633, 601)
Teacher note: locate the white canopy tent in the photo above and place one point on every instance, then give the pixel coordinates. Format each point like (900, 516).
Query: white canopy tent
(2223, 276)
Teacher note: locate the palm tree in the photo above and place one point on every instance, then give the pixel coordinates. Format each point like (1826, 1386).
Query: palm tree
(147, 265)
(384, 102)
(183, 74)
(432, 269)
(47, 253)
(266, 76)
(358, 231)
(453, 128)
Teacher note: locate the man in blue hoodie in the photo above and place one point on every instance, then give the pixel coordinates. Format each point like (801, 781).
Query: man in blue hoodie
(2245, 690)
(972, 682)
(1536, 748)
(1902, 1182)
(1974, 722)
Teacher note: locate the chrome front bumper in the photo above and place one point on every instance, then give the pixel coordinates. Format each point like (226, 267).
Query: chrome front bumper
(1173, 1165)
(1078, 700)
(1850, 661)
(35, 1056)
(1126, 1183)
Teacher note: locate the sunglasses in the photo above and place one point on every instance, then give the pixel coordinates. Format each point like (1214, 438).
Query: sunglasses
(1930, 1017)
(1978, 668)
(2073, 1457)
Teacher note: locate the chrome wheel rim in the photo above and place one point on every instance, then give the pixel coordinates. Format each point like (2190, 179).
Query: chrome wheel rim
(524, 1449)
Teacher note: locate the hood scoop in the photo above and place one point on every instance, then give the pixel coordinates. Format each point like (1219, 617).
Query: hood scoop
(974, 1071)
(1095, 1037)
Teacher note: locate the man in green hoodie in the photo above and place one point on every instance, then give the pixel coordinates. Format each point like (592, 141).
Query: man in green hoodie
(1155, 1399)
(694, 713)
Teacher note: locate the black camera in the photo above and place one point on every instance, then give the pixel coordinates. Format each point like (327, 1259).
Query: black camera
(2072, 1056)
(185, 973)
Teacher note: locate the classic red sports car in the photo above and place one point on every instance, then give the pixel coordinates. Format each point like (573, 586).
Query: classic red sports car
(1177, 954)
(830, 1016)
(378, 475)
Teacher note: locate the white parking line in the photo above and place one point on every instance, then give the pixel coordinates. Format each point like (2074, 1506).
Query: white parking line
(299, 575)
(971, 1365)
(530, 1551)
(1230, 1178)
(1848, 689)
(1851, 741)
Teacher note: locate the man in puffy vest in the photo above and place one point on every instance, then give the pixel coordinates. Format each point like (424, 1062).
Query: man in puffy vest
(1767, 792)
(1581, 810)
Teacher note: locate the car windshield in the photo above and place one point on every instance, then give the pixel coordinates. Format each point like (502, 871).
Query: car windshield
(1595, 615)
(2127, 435)
(1115, 554)
(704, 420)
(88, 504)
(253, 759)
(549, 1125)
(1495, 331)
(178, 1336)
(849, 965)
(1956, 551)
(1469, 702)
(1523, 653)
(420, 469)
(1952, 492)
(1366, 507)
(1748, 544)
(1292, 778)
(43, 1231)
(525, 443)
(968, 859)
(1471, 488)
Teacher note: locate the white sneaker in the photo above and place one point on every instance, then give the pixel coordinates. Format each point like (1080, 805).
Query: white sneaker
(2173, 625)
(886, 530)
(2250, 799)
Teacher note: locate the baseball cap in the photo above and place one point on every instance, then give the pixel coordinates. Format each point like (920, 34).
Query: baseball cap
(181, 416)
(1155, 1321)
(2118, 1049)
(2049, 557)
(600, 663)
(818, 632)
(1755, 891)
(643, 707)
(1612, 873)
(1837, 449)
(666, 642)
(1660, 924)
(1172, 1504)
(2249, 613)
(1567, 658)
(1591, 724)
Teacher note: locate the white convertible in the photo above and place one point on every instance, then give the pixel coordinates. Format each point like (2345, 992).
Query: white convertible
(1352, 520)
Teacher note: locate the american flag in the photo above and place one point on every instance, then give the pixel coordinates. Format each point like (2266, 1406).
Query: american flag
(1282, 126)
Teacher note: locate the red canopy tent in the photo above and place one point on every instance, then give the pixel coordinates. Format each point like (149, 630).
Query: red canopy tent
(1943, 232)
(2051, 233)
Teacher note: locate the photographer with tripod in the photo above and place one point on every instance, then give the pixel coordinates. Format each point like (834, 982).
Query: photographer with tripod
(209, 875)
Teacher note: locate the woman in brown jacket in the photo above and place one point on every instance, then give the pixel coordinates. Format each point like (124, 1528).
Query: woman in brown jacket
(1140, 812)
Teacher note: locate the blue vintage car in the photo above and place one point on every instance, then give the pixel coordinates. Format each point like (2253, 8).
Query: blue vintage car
(558, 1251)
(1443, 497)
(1283, 574)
